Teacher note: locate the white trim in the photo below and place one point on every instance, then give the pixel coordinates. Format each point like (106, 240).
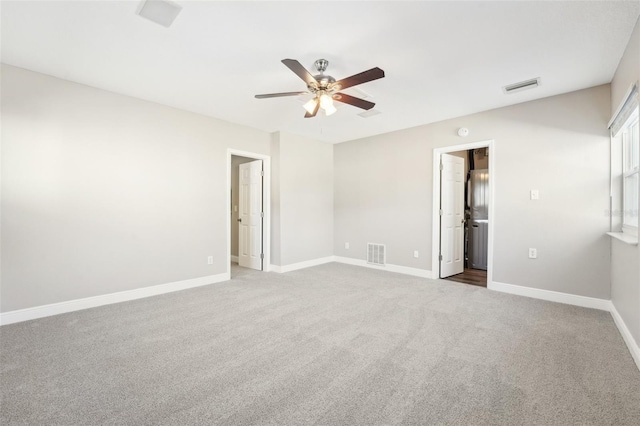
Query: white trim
(422, 273)
(572, 299)
(437, 155)
(626, 335)
(106, 299)
(234, 258)
(624, 237)
(302, 265)
(266, 206)
(552, 296)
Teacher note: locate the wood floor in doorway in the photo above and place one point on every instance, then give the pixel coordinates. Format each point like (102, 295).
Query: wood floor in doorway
(471, 276)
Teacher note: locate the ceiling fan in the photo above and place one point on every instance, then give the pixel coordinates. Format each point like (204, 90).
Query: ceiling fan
(326, 89)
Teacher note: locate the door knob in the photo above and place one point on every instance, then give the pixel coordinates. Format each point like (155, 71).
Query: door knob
(239, 219)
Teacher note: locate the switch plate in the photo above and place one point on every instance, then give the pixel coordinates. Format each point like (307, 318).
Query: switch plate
(210, 260)
(416, 254)
(346, 245)
(535, 194)
(533, 253)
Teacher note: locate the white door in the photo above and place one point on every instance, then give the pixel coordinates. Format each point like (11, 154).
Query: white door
(250, 217)
(451, 215)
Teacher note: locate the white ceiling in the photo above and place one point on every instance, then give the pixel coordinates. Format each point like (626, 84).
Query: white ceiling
(442, 59)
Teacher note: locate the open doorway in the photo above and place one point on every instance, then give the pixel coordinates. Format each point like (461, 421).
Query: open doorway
(248, 236)
(463, 213)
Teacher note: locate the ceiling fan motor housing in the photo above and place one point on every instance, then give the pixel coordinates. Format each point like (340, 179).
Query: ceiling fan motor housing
(323, 81)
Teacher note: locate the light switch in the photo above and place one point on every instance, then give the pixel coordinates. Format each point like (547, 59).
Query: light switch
(535, 194)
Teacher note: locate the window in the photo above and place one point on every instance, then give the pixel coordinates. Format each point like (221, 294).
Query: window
(630, 172)
(625, 162)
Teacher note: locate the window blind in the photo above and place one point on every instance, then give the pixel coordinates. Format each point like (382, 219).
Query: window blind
(623, 114)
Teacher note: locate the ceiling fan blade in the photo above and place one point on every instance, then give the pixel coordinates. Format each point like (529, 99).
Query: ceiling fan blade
(352, 100)
(300, 71)
(363, 77)
(315, 111)
(278, 95)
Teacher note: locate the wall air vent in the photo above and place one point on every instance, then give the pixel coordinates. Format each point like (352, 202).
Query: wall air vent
(376, 254)
(523, 85)
(161, 12)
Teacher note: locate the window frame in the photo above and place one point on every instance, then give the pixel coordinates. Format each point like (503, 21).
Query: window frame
(630, 133)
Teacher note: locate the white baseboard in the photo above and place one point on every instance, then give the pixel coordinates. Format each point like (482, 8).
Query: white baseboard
(423, 273)
(626, 335)
(357, 262)
(572, 299)
(552, 296)
(234, 258)
(106, 299)
(301, 265)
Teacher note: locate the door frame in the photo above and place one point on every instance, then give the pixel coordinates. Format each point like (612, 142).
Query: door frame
(435, 248)
(266, 206)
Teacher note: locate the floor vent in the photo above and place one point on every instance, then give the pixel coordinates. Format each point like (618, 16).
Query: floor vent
(376, 254)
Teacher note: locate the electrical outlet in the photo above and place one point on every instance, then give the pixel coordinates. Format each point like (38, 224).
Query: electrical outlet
(533, 253)
(346, 245)
(416, 254)
(210, 260)
(535, 194)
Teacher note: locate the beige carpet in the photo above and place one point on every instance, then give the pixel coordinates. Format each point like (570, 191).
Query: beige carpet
(329, 345)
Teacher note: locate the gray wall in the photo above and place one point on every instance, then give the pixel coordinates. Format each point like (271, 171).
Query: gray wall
(558, 145)
(302, 194)
(235, 199)
(275, 199)
(103, 193)
(625, 259)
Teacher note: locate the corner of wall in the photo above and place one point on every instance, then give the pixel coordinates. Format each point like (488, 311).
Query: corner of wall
(276, 234)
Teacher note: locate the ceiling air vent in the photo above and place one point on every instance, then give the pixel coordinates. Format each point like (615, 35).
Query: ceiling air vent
(376, 254)
(369, 113)
(523, 85)
(161, 12)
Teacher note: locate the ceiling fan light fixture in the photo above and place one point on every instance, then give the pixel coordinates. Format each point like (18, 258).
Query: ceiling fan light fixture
(325, 101)
(311, 105)
(330, 110)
